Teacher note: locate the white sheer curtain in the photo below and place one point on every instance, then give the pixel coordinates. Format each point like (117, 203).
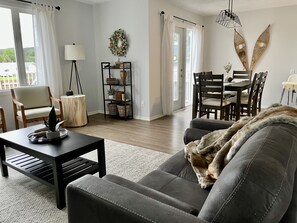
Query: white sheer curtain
(196, 59)
(46, 48)
(197, 49)
(167, 66)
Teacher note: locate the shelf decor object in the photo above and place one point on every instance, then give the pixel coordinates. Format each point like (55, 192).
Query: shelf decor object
(228, 18)
(74, 52)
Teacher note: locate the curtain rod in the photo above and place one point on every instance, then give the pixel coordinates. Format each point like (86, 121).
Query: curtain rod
(184, 20)
(57, 7)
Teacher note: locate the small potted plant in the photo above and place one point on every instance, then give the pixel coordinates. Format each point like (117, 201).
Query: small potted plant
(53, 125)
(111, 93)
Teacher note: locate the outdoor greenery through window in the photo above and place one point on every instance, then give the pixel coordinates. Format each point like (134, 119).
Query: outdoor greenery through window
(17, 55)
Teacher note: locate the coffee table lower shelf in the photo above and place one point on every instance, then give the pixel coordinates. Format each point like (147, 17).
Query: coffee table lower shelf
(43, 171)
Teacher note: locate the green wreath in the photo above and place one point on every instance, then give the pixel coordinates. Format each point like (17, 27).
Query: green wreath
(118, 44)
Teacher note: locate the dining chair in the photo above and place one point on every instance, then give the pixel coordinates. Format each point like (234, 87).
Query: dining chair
(2, 120)
(261, 88)
(195, 105)
(248, 102)
(242, 74)
(211, 96)
(33, 103)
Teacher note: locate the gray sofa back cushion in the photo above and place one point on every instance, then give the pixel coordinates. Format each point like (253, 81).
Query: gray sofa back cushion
(257, 185)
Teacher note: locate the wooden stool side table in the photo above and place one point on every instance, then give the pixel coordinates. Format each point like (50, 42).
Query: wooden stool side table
(74, 109)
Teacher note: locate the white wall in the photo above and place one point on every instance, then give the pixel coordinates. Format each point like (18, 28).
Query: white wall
(75, 24)
(132, 17)
(279, 58)
(155, 36)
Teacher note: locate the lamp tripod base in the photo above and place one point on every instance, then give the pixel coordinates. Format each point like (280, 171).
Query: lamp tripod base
(78, 84)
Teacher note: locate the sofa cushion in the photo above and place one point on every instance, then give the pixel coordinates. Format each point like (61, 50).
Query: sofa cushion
(257, 184)
(179, 166)
(174, 186)
(152, 194)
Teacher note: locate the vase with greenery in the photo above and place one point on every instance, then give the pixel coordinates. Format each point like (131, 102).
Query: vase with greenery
(53, 125)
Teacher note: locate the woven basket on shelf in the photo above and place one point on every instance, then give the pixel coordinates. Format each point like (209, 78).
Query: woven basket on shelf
(121, 110)
(112, 108)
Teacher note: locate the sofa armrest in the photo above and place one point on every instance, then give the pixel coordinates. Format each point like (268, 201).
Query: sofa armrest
(93, 199)
(209, 124)
(200, 127)
(192, 134)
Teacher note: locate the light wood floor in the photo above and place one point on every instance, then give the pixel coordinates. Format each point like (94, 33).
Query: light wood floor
(164, 134)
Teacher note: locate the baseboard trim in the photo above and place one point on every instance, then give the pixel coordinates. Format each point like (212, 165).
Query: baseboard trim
(149, 118)
(95, 112)
(135, 117)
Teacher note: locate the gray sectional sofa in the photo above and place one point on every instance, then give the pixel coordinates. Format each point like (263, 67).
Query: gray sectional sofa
(258, 185)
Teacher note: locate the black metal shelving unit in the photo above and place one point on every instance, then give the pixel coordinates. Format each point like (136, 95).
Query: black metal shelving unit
(109, 71)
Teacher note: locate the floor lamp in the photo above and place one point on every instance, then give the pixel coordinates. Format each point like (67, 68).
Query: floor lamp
(74, 52)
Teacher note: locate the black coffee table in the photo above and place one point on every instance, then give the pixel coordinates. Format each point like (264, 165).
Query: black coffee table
(55, 164)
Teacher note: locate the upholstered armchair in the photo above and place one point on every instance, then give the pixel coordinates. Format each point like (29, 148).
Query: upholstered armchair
(33, 103)
(2, 120)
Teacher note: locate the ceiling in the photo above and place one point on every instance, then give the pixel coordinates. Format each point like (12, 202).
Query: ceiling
(212, 7)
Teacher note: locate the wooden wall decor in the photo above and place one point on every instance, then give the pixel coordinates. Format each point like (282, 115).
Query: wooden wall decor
(260, 46)
(241, 49)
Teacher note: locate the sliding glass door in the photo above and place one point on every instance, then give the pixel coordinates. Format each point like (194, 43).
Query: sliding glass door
(182, 67)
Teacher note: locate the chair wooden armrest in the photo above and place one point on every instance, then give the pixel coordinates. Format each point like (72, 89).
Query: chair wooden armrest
(59, 102)
(3, 121)
(17, 103)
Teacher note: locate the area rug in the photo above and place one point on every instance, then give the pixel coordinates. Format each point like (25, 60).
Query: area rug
(23, 199)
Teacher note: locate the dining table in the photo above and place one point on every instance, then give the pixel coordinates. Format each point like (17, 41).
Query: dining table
(237, 87)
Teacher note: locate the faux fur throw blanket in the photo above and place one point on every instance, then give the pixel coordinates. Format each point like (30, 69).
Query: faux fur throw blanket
(212, 153)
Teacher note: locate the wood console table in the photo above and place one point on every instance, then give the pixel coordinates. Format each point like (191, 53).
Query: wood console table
(74, 109)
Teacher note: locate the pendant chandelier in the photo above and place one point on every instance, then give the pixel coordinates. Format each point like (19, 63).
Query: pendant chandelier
(228, 18)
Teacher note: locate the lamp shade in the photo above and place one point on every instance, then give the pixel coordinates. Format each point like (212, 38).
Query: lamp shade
(74, 52)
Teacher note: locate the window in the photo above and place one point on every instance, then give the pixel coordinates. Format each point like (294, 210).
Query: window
(17, 54)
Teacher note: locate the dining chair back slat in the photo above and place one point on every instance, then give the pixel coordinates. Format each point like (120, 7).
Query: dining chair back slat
(239, 74)
(254, 94)
(211, 95)
(261, 88)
